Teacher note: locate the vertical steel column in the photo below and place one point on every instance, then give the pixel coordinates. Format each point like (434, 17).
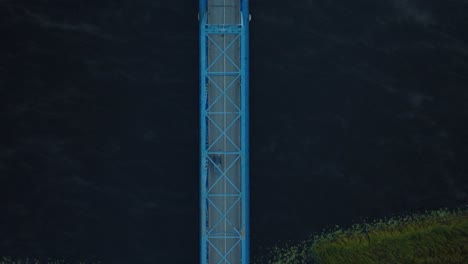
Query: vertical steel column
(224, 148)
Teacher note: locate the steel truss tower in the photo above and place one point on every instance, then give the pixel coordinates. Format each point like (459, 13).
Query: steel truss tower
(224, 168)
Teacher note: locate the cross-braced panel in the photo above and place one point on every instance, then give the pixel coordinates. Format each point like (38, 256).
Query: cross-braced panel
(223, 134)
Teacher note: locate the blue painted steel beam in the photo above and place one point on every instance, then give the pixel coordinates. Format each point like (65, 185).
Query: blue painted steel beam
(224, 131)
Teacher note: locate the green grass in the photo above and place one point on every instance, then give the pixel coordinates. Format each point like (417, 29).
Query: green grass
(436, 237)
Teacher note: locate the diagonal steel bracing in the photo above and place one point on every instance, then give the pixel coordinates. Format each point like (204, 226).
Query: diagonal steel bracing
(224, 199)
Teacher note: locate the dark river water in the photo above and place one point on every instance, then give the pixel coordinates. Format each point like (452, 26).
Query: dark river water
(358, 111)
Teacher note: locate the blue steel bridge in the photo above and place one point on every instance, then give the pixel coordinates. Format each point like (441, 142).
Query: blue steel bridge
(224, 137)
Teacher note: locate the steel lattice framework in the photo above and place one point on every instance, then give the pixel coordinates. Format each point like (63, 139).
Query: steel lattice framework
(224, 168)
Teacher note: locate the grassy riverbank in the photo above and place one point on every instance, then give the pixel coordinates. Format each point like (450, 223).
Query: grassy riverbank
(437, 237)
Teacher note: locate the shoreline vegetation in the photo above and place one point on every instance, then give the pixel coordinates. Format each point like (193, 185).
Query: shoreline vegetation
(434, 237)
